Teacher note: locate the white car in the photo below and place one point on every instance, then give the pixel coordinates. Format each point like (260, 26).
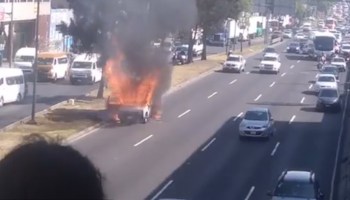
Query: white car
(326, 81)
(234, 63)
(270, 63)
(299, 36)
(340, 63)
(257, 122)
(288, 34)
(345, 49)
(85, 68)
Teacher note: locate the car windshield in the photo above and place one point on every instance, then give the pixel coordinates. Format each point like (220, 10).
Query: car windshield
(326, 79)
(181, 49)
(81, 65)
(270, 50)
(256, 115)
(338, 60)
(269, 58)
(233, 58)
(328, 93)
(45, 61)
(329, 69)
(24, 59)
(293, 189)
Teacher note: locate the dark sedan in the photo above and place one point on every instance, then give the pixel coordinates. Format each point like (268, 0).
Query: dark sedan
(293, 47)
(328, 99)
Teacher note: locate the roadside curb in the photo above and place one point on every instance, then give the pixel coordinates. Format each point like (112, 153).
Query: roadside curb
(83, 133)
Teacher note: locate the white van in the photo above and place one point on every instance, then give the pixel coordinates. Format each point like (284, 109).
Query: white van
(85, 69)
(52, 65)
(24, 59)
(12, 85)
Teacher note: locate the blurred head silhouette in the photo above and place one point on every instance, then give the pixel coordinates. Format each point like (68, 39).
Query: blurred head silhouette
(40, 169)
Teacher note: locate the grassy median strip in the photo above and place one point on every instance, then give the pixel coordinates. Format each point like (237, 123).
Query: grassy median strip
(71, 118)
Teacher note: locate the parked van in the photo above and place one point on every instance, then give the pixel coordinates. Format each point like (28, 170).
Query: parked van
(13, 87)
(52, 65)
(85, 69)
(24, 59)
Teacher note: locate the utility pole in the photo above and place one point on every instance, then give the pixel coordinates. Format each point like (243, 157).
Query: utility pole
(270, 4)
(35, 65)
(11, 36)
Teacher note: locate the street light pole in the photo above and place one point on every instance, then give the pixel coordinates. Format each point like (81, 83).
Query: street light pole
(35, 65)
(11, 35)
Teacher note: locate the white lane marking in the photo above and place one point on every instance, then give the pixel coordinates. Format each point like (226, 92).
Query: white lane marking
(310, 86)
(210, 96)
(302, 100)
(232, 82)
(258, 97)
(250, 193)
(283, 74)
(340, 138)
(275, 149)
(292, 66)
(206, 146)
(142, 141)
(292, 119)
(238, 116)
(298, 61)
(316, 75)
(162, 190)
(184, 113)
(272, 84)
(247, 73)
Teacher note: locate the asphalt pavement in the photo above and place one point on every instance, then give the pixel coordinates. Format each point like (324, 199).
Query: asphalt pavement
(195, 152)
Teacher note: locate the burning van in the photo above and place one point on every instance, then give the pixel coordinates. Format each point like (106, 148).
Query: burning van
(131, 95)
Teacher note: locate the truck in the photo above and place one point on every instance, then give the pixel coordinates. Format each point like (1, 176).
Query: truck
(248, 31)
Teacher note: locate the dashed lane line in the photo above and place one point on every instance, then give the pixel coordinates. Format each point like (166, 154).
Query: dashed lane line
(142, 141)
(258, 97)
(292, 119)
(272, 84)
(206, 146)
(210, 96)
(275, 149)
(250, 193)
(238, 116)
(184, 113)
(162, 190)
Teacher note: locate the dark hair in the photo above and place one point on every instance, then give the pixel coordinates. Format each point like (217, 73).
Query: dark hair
(47, 170)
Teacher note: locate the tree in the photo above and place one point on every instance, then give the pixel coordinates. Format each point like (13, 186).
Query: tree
(300, 10)
(213, 13)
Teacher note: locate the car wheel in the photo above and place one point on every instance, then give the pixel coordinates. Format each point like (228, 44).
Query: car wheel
(1, 101)
(92, 81)
(144, 119)
(19, 98)
(55, 78)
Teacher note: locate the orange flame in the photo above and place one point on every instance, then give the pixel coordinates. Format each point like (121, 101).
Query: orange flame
(125, 91)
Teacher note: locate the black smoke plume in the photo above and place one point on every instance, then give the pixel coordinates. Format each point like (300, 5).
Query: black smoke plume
(130, 26)
(133, 23)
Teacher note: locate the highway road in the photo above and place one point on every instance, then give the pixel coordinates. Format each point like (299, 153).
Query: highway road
(52, 93)
(195, 152)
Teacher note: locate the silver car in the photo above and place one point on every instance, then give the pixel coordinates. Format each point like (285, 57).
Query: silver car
(257, 122)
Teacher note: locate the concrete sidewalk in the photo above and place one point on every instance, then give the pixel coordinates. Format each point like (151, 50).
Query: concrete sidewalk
(342, 181)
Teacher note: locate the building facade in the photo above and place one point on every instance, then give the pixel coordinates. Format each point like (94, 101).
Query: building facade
(281, 7)
(24, 23)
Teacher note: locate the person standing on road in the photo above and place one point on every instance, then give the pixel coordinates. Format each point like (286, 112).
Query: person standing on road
(39, 169)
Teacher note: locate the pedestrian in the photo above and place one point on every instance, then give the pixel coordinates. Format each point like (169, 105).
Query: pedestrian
(39, 169)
